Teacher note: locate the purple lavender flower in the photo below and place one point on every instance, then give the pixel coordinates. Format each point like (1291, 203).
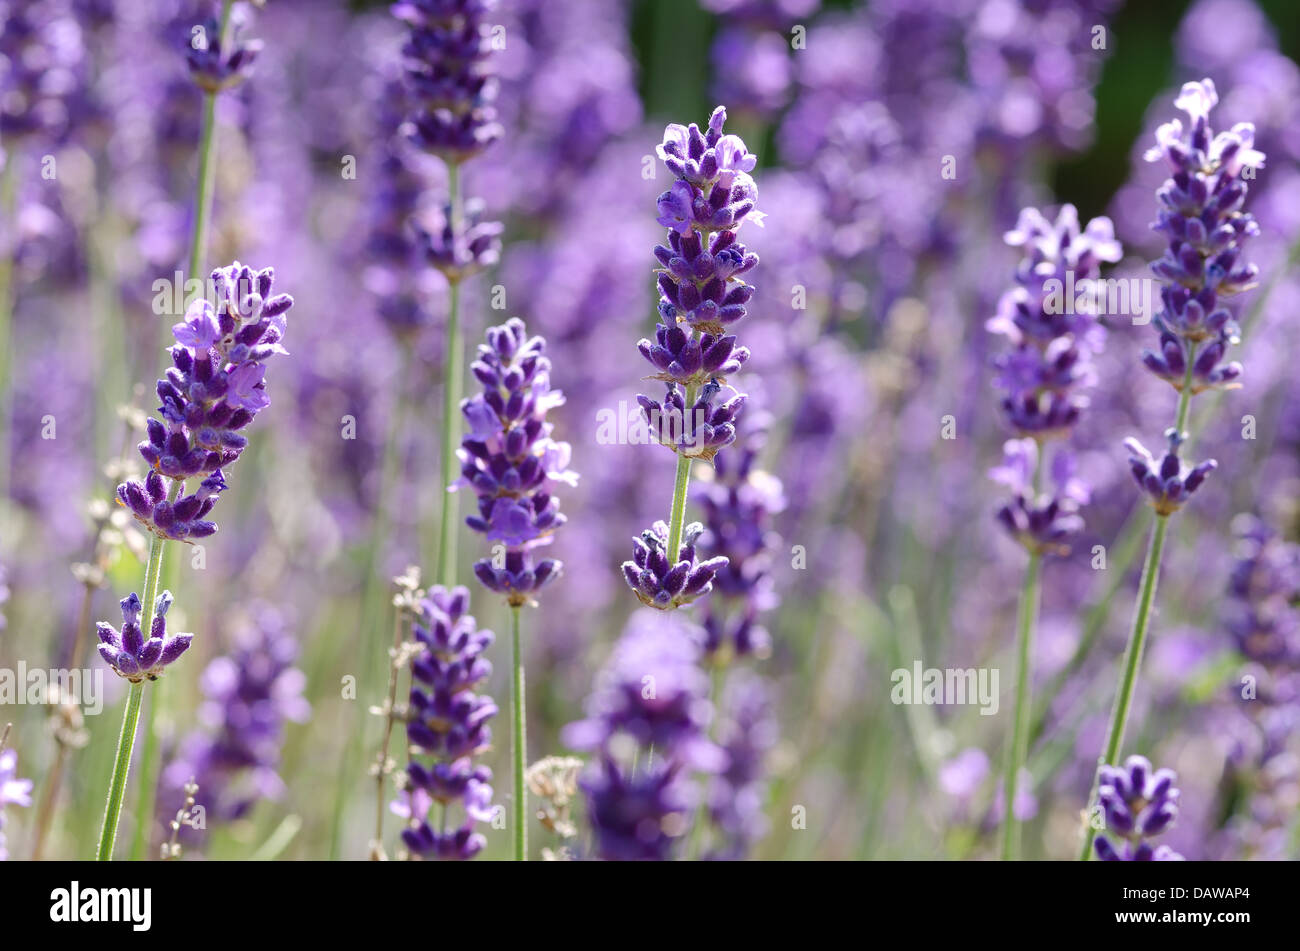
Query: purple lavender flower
(215, 66)
(130, 653)
(1052, 341)
(1264, 589)
(1139, 804)
(459, 251)
(214, 389)
(701, 291)
(1205, 229)
(448, 722)
(448, 54)
(509, 459)
(1040, 521)
(1168, 483)
(652, 691)
(13, 792)
(659, 583)
(250, 694)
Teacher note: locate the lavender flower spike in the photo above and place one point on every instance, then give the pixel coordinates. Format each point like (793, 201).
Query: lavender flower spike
(1138, 804)
(1167, 483)
(448, 723)
(1200, 216)
(215, 66)
(213, 390)
(130, 653)
(510, 460)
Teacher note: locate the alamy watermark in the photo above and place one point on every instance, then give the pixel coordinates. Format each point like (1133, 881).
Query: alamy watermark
(39, 686)
(958, 686)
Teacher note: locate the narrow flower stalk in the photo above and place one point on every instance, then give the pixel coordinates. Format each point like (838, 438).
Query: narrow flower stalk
(447, 724)
(214, 388)
(510, 461)
(702, 294)
(1042, 377)
(1200, 215)
(449, 77)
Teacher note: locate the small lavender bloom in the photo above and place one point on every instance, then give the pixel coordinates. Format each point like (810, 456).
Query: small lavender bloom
(448, 722)
(448, 55)
(1167, 483)
(1041, 522)
(698, 432)
(1139, 804)
(215, 67)
(129, 652)
(215, 387)
(460, 251)
(13, 792)
(642, 814)
(1201, 218)
(509, 459)
(665, 585)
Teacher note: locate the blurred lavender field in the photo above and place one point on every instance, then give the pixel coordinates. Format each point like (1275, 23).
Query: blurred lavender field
(877, 223)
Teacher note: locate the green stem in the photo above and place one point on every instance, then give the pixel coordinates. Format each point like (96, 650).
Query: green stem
(126, 740)
(452, 385)
(519, 741)
(680, 488)
(207, 166)
(8, 204)
(372, 587)
(1141, 624)
(1029, 598)
(1132, 662)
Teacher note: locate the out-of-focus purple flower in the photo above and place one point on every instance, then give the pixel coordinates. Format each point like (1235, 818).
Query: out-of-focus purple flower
(1139, 803)
(736, 796)
(215, 65)
(250, 695)
(652, 691)
(215, 387)
(13, 792)
(510, 460)
(130, 653)
(1041, 521)
(448, 66)
(459, 251)
(448, 723)
(1168, 483)
(1052, 339)
(663, 584)
(40, 52)
(739, 503)
(1202, 220)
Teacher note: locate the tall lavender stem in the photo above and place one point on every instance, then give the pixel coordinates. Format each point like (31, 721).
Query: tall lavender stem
(1043, 375)
(453, 383)
(518, 739)
(131, 715)
(1200, 215)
